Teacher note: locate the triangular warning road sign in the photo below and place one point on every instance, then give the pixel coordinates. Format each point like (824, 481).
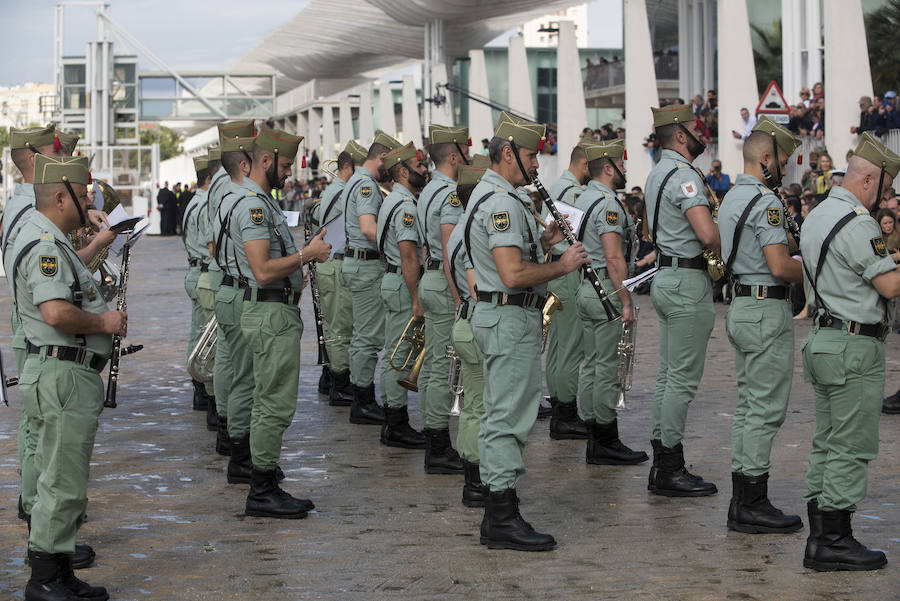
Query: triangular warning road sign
(773, 102)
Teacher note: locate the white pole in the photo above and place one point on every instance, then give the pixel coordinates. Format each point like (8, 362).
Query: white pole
(571, 114)
(640, 91)
(366, 120)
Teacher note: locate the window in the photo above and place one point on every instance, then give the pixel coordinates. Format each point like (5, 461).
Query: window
(546, 77)
(546, 107)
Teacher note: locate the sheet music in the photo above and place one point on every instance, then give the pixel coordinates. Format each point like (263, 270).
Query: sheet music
(632, 283)
(293, 218)
(334, 234)
(575, 215)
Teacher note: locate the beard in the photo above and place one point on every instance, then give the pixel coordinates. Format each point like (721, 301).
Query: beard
(695, 146)
(417, 180)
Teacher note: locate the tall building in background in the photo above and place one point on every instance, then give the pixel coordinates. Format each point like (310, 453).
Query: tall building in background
(539, 33)
(30, 103)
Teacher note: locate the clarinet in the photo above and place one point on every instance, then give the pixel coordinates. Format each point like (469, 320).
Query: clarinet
(788, 218)
(317, 305)
(119, 352)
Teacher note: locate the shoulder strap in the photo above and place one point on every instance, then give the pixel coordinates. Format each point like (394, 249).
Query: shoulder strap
(467, 232)
(563, 193)
(738, 230)
(532, 246)
(323, 216)
(662, 188)
(277, 232)
(387, 226)
(224, 225)
(453, 256)
(630, 246)
(428, 208)
(346, 221)
(822, 252)
(587, 215)
(15, 267)
(184, 222)
(13, 224)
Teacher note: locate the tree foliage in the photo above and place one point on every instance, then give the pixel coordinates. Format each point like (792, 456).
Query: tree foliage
(767, 55)
(169, 141)
(882, 26)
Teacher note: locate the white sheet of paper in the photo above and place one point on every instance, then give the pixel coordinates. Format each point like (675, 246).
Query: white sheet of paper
(632, 283)
(118, 215)
(293, 218)
(575, 215)
(334, 234)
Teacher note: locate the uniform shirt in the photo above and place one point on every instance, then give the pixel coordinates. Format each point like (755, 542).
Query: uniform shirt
(226, 253)
(503, 219)
(21, 200)
(47, 272)
(397, 223)
(607, 216)
(856, 255)
(566, 189)
(257, 216)
(221, 183)
(440, 206)
(330, 202)
(685, 190)
(361, 197)
(764, 226)
(195, 246)
(459, 259)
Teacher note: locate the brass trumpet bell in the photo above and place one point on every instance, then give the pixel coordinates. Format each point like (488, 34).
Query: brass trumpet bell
(414, 336)
(551, 306)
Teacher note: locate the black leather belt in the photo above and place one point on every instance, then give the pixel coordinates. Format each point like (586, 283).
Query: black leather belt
(760, 292)
(697, 262)
(523, 299)
(462, 312)
(204, 267)
(193, 262)
(604, 272)
(228, 280)
(338, 256)
(70, 353)
(555, 258)
(274, 295)
(854, 328)
(363, 254)
(391, 268)
(433, 264)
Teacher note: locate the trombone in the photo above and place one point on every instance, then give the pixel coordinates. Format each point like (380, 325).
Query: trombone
(414, 335)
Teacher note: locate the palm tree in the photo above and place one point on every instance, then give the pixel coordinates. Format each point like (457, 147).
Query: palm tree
(882, 26)
(767, 54)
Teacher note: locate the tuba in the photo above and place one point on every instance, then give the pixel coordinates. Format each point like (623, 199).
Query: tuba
(414, 335)
(551, 306)
(202, 359)
(454, 380)
(625, 350)
(101, 265)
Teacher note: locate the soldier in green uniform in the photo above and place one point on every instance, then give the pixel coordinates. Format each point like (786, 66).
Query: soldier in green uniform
(608, 235)
(271, 266)
(437, 214)
(362, 271)
(67, 328)
(681, 225)
(759, 323)
(337, 305)
(506, 249)
(565, 350)
(470, 356)
(849, 276)
(399, 243)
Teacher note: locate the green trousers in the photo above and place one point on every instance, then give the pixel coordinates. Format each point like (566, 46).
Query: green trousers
(847, 374)
(197, 323)
(397, 311)
(64, 399)
(27, 437)
(472, 362)
(762, 334)
(273, 332)
(510, 338)
(337, 313)
(434, 294)
(363, 279)
(565, 350)
(601, 366)
(207, 286)
(683, 301)
(236, 353)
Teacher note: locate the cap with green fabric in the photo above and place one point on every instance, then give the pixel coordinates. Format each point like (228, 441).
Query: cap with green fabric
(50, 169)
(214, 153)
(870, 149)
(399, 155)
(606, 149)
(469, 175)
(237, 144)
(278, 141)
(200, 163)
(674, 113)
(386, 140)
(242, 129)
(481, 160)
(356, 152)
(68, 142)
(33, 137)
(523, 133)
(786, 141)
(443, 134)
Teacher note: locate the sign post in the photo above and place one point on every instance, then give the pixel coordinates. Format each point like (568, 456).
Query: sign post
(773, 105)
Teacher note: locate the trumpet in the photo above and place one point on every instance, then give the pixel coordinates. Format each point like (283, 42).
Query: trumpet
(414, 335)
(551, 306)
(332, 171)
(454, 380)
(202, 359)
(625, 350)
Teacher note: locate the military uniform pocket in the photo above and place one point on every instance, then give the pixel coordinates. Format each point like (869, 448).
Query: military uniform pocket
(225, 313)
(251, 328)
(823, 361)
(744, 329)
(464, 342)
(28, 389)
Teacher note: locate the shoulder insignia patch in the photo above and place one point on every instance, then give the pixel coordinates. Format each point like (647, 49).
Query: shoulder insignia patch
(50, 265)
(689, 189)
(862, 211)
(575, 198)
(879, 246)
(500, 221)
(365, 191)
(454, 199)
(773, 216)
(408, 220)
(612, 217)
(47, 236)
(257, 216)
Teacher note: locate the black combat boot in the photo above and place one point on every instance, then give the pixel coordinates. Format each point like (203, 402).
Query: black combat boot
(83, 556)
(212, 416)
(474, 491)
(45, 584)
(503, 527)
(396, 431)
(440, 456)
(545, 408)
(891, 404)
(656, 445)
(838, 550)
(605, 448)
(565, 424)
(325, 382)
(82, 589)
(673, 479)
(239, 464)
(815, 533)
(365, 409)
(755, 514)
(736, 490)
(223, 441)
(199, 396)
(341, 392)
(266, 499)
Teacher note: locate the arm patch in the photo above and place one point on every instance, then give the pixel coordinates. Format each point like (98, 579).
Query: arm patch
(877, 243)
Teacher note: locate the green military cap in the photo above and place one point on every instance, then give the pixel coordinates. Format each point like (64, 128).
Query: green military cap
(443, 134)
(242, 129)
(278, 141)
(386, 140)
(32, 137)
(674, 113)
(236, 144)
(356, 152)
(525, 134)
(214, 153)
(786, 141)
(612, 149)
(480, 160)
(875, 152)
(201, 162)
(469, 175)
(398, 155)
(50, 169)
(68, 141)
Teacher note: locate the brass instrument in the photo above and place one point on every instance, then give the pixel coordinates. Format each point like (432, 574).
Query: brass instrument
(332, 171)
(100, 264)
(202, 359)
(454, 380)
(715, 266)
(414, 335)
(625, 350)
(551, 306)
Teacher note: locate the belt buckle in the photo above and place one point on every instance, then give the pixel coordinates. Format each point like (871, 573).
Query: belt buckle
(526, 300)
(853, 328)
(762, 292)
(80, 355)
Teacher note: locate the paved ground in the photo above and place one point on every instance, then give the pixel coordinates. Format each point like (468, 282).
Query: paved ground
(167, 527)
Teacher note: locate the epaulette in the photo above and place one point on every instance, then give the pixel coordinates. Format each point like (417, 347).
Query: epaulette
(47, 236)
(862, 211)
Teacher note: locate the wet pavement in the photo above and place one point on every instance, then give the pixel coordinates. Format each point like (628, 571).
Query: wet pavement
(166, 526)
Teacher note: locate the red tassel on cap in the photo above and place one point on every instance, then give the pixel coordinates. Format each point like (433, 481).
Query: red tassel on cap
(799, 158)
(418, 155)
(469, 143)
(541, 144)
(57, 145)
(90, 178)
(625, 155)
(303, 162)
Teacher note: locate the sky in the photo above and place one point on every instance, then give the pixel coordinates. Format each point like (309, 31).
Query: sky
(169, 29)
